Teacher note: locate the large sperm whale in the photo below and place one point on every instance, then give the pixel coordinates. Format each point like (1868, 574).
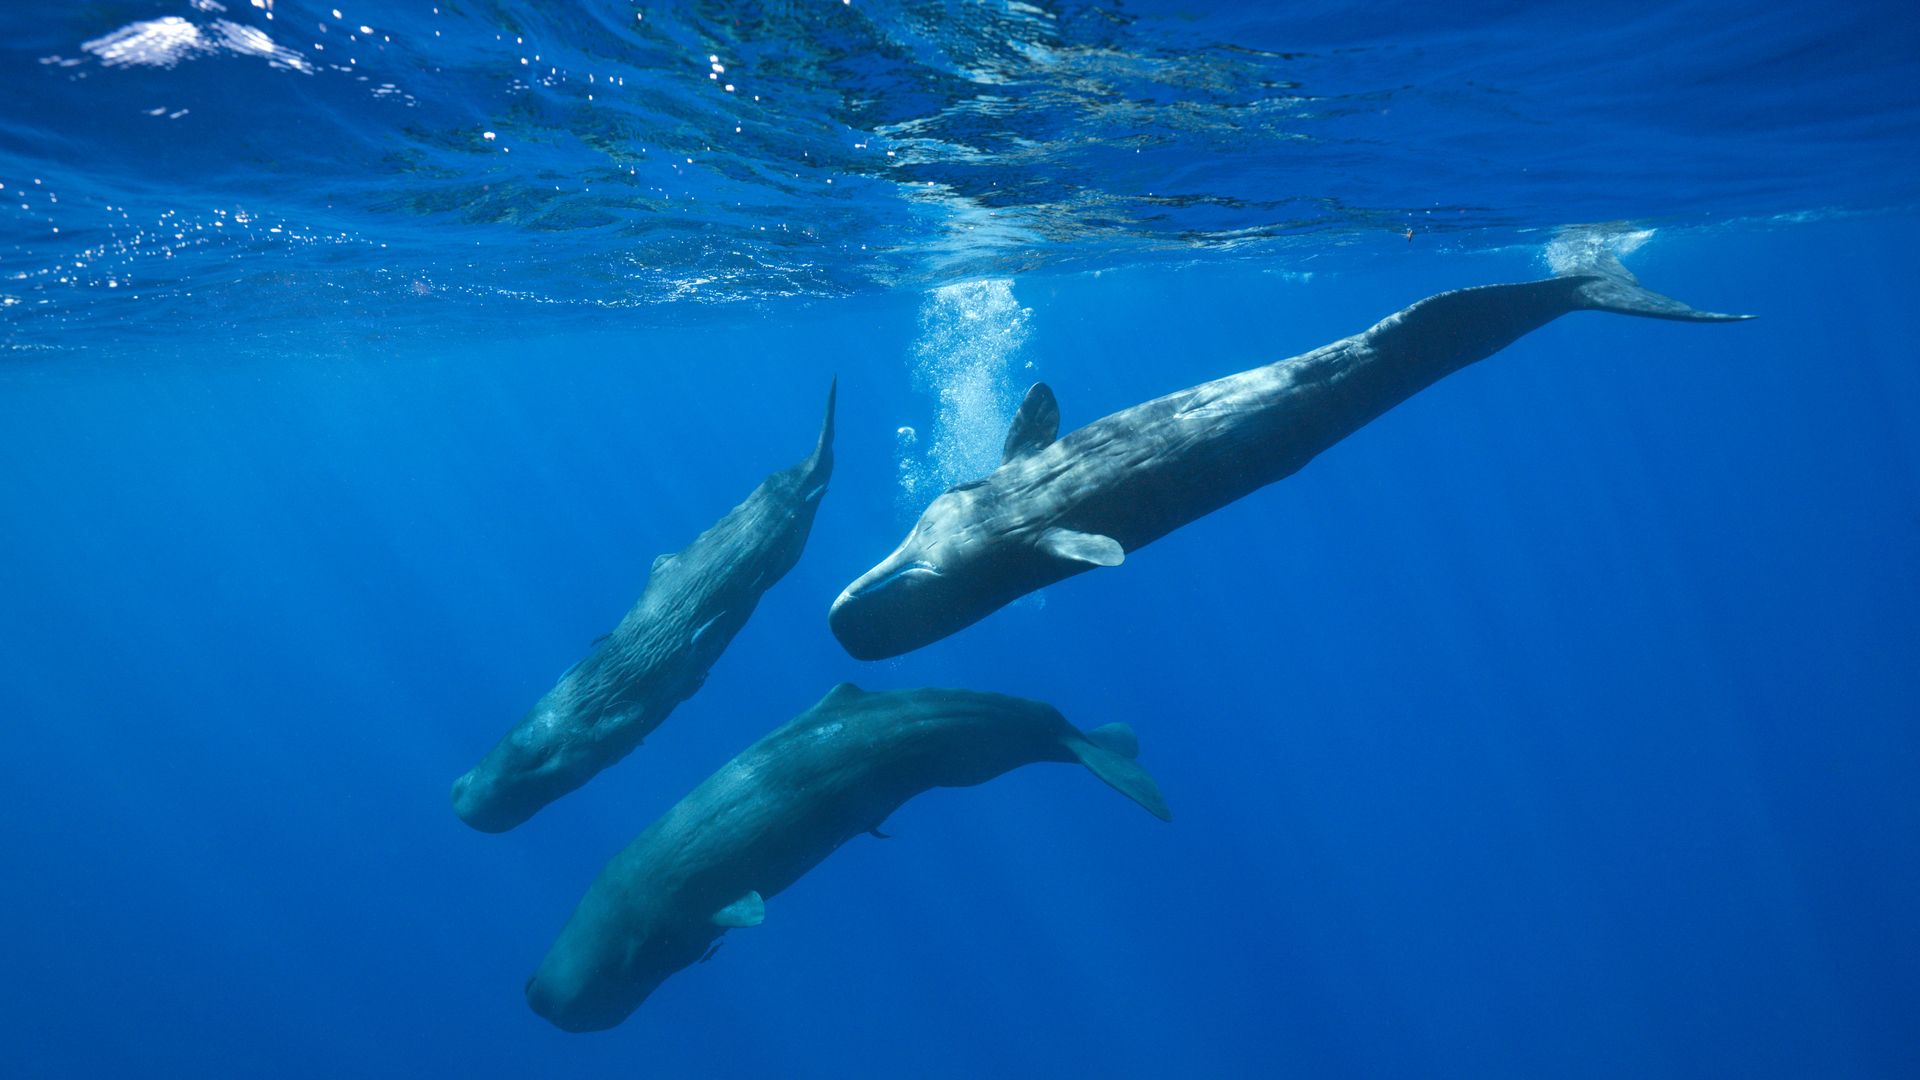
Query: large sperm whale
(1057, 507)
(694, 603)
(779, 808)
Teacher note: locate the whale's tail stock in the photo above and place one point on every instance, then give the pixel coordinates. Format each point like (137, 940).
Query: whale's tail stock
(1449, 330)
(1108, 752)
(821, 463)
(1586, 255)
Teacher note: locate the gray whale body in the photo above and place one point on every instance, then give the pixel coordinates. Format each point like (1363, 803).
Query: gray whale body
(695, 601)
(779, 808)
(1057, 507)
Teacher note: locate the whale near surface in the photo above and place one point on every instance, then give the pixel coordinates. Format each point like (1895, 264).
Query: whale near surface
(779, 808)
(695, 601)
(1057, 507)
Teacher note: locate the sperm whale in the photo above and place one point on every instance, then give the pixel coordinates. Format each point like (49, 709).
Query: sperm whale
(695, 601)
(1060, 506)
(776, 811)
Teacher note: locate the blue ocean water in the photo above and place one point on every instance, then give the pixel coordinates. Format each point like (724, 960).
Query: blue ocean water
(1559, 723)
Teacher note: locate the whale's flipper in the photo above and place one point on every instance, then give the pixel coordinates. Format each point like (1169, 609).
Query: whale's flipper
(1035, 425)
(1108, 752)
(749, 910)
(1091, 548)
(704, 627)
(1609, 286)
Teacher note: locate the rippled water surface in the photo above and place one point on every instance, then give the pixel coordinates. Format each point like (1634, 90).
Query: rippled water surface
(243, 162)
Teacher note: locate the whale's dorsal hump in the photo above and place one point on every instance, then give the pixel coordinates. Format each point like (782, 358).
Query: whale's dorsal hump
(1075, 546)
(842, 694)
(1034, 426)
(749, 910)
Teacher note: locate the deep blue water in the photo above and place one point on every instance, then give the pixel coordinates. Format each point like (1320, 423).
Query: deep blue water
(1559, 723)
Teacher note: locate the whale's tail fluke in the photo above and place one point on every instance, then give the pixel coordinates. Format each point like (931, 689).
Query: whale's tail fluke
(1108, 752)
(820, 465)
(1586, 256)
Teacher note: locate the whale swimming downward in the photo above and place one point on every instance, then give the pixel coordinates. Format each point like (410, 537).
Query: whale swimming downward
(1057, 507)
(695, 601)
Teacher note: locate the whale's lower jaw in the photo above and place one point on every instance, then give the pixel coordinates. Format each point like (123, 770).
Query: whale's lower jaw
(479, 800)
(871, 655)
(479, 813)
(859, 645)
(877, 616)
(839, 601)
(579, 1025)
(869, 631)
(569, 1016)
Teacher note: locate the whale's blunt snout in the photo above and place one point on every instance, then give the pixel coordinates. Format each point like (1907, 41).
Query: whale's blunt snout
(561, 1009)
(474, 799)
(853, 631)
(890, 610)
(577, 991)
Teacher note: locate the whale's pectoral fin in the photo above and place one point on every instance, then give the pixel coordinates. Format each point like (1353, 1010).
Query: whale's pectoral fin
(878, 835)
(704, 627)
(1108, 752)
(1075, 546)
(749, 910)
(1035, 426)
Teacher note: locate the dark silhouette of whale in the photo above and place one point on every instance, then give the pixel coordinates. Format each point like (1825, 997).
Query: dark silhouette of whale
(1059, 507)
(695, 602)
(779, 808)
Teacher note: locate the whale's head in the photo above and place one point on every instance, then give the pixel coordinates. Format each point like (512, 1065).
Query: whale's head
(945, 575)
(972, 552)
(598, 972)
(570, 996)
(978, 547)
(540, 759)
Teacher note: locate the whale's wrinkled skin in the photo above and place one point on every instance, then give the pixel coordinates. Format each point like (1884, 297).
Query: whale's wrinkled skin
(694, 603)
(1059, 507)
(775, 811)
